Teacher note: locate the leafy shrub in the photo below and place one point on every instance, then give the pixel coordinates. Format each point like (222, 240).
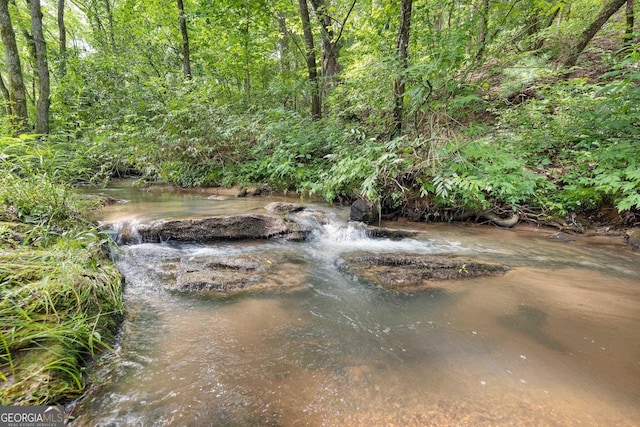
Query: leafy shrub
(487, 172)
(585, 138)
(291, 152)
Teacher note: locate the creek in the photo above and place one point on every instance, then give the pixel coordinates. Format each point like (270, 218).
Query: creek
(555, 341)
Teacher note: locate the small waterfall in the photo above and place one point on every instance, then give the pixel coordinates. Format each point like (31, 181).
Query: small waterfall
(351, 232)
(326, 234)
(123, 232)
(330, 236)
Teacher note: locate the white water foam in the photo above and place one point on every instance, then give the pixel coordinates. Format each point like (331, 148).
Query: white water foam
(333, 238)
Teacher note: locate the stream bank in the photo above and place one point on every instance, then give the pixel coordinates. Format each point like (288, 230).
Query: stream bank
(61, 307)
(60, 292)
(601, 222)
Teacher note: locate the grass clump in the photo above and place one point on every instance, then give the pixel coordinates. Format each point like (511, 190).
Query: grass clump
(60, 295)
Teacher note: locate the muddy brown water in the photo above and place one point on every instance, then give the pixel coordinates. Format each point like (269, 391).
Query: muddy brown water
(554, 342)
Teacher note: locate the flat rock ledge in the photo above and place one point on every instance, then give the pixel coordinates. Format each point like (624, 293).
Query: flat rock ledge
(235, 227)
(229, 275)
(288, 221)
(414, 272)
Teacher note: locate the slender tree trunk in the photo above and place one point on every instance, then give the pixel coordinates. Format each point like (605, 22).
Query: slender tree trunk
(540, 42)
(17, 90)
(331, 42)
(402, 49)
(5, 96)
(42, 107)
(112, 36)
(329, 47)
(283, 44)
(247, 55)
(535, 25)
(283, 52)
(186, 61)
(31, 61)
(608, 9)
(629, 24)
(62, 38)
(316, 105)
(484, 29)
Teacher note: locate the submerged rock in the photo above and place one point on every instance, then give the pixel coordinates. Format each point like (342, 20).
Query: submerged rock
(284, 207)
(414, 272)
(312, 218)
(235, 227)
(633, 239)
(233, 274)
(387, 233)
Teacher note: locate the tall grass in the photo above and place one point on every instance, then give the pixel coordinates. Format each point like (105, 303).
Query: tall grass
(60, 296)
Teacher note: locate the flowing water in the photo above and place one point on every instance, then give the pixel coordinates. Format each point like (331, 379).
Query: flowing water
(554, 342)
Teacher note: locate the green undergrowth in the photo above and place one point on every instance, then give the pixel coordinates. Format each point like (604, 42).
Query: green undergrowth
(534, 143)
(556, 148)
(60, 294)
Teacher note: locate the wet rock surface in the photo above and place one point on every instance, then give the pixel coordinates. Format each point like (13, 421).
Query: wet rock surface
(633, 239)
(362, 211)
(284, 207)
(235, 227)
(387, 233)
(414, 272)
(293, 223)
(233, 274)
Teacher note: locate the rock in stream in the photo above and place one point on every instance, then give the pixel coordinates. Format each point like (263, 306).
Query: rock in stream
(234, 227)
(263, 270)
(414, 272)
(233, 274)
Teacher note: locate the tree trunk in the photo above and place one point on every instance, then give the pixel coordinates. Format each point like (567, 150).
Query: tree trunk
(5, 96)
(484, 29)
(316, 106)
(331, 43)
(112, 36)
(246, 32)
(186, 61)
(17, 90)
(283, 44)
(608, 9)
(283, 53)
(62, 38)
(330, 49)
(540, 42)
(42, 106)
(402, 49)
(629, 24)
(31, 64)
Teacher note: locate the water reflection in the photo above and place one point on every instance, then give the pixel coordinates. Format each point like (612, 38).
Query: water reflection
(556, 341)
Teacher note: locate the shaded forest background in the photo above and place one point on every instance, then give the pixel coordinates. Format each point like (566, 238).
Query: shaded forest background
(434, 110)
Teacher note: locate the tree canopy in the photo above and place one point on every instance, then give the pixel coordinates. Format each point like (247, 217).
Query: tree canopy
(427, 107)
